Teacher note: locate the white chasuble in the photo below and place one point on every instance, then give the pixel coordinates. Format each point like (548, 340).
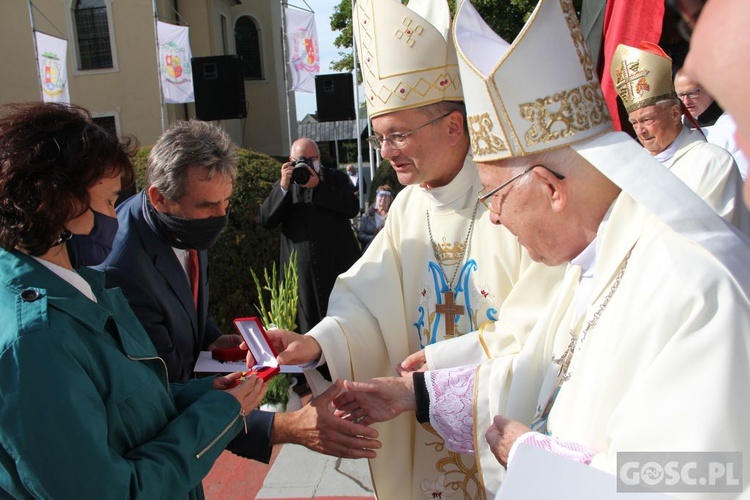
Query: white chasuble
(391, 304)
(663, 369)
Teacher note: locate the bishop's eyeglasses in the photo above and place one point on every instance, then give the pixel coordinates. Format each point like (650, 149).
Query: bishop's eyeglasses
(397, 140)
(486, 197)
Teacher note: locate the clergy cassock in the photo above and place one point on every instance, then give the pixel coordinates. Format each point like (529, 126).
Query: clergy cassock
(388, 305)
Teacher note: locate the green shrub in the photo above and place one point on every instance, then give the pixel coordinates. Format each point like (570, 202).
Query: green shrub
(244, 245)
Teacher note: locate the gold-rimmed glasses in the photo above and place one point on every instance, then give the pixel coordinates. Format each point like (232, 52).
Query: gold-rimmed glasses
(397, 140)
(486, 197)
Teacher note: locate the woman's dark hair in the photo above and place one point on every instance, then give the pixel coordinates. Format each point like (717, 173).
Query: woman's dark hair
(50, 155)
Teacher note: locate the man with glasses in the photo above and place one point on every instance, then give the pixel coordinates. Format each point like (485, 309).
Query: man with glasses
(718, 127)
(439, 269)
(643, 80)
(645, 346)
(718, 58)
(313, 205)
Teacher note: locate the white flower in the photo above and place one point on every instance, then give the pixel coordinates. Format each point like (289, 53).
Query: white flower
(424, 294)
(436, 489)
(482, 293)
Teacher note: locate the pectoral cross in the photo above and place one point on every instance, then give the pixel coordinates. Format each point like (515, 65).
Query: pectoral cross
(450, 310)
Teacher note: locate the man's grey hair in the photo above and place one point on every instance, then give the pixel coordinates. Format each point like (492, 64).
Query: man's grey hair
(444, 107)
(189, 144)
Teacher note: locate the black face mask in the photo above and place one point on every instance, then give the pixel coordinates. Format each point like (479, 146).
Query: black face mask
(91, 249)
(198, 234)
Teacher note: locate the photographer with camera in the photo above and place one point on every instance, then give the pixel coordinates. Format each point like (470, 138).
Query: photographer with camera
(314, 205)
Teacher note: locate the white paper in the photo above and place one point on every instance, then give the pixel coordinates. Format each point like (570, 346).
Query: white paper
(206, 364)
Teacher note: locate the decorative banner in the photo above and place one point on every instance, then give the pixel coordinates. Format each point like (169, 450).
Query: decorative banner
(302, 44)
(174, 63)
(53, 70)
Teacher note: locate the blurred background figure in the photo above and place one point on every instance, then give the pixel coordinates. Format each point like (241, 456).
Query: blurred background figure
(314, 205)
(373, 219)
(717, 125)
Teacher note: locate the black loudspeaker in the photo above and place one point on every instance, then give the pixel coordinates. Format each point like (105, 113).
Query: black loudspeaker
(334, 95)
(219, 88)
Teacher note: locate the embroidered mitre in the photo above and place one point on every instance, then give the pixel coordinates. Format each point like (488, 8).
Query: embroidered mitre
(557, 101)
(642, 77)
(406, 54)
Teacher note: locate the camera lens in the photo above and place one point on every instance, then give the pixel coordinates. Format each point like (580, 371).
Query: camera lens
(300, 174)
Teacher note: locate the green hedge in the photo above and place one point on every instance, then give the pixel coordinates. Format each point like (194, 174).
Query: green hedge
(244, 245)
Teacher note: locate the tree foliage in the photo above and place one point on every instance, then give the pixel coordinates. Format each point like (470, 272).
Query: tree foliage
(505, 17)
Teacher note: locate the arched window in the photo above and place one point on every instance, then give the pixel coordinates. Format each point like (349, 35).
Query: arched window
(247, 41)
(92, 34)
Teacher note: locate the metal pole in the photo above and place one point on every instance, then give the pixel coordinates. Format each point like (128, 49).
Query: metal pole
(286, 76)
(158, 67)
(36, 52)
(356, 120)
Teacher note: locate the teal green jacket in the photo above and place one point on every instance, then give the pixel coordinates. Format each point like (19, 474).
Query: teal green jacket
(86, 410)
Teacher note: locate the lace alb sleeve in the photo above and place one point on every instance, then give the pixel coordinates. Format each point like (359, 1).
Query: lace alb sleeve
(451, 406)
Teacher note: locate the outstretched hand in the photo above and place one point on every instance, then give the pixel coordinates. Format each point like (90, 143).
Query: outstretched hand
(376, 400)
(416, 362)
(316, 427)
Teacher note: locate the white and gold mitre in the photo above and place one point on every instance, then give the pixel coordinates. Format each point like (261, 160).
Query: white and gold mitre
(536, 94)
(642, 77)
(406, 54)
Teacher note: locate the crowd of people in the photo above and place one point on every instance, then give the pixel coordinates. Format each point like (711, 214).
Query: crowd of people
(542, 279)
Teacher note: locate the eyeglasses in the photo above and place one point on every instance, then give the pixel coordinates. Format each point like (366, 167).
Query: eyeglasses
(693, 94)
(397, 140)
(486, 197)
(685, 14)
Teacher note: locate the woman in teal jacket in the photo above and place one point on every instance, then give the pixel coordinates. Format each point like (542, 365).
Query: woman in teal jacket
(86, 409)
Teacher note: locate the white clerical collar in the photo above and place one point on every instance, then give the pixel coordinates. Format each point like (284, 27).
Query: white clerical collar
(669, 153)
(456, 189)
(586, 260)
(71, 277)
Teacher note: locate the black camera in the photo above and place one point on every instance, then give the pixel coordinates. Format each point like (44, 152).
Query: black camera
(300, 172)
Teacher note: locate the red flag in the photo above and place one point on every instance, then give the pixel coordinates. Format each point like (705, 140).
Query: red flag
(630, 22)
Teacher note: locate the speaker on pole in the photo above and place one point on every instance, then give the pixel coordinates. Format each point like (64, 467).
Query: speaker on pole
(334, 95)
(219, 88)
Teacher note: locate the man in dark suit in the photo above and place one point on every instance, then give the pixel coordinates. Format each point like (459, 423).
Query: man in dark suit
(314, 210)
(164, 233)
(182, 212)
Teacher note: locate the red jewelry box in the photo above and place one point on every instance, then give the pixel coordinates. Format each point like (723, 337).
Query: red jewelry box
(255, 337)
(228, 354)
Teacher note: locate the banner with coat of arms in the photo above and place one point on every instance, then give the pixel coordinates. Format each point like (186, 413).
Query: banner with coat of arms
(174, 63)
(53, 70)
(302, 44)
